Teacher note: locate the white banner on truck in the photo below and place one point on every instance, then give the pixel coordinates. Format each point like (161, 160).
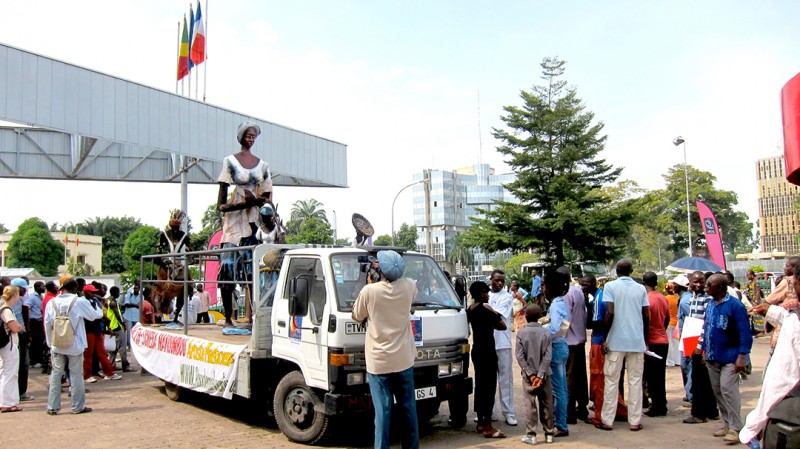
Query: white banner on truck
(193, 363)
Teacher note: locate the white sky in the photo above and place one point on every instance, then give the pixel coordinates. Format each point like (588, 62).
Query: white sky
(398, 82)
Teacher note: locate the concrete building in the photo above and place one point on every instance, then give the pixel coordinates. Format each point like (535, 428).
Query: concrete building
(86, 249)
(777, 209)
(453, 197)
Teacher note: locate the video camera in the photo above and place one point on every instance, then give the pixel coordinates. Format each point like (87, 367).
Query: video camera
(367, 265)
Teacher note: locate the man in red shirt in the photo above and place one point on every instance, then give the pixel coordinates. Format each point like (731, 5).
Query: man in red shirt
(655, 369)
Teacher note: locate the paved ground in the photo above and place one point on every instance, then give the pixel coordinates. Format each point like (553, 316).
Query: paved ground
(135, 413)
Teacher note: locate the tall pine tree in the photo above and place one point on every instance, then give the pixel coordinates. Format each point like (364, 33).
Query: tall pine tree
(553, 147)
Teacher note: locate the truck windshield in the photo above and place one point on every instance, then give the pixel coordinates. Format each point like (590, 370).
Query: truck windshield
(434, 291)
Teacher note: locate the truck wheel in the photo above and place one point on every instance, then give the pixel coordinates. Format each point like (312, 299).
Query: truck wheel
(173, 391)
(297, 410)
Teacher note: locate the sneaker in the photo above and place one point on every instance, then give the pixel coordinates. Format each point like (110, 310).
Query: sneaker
(694, 420)
(52, 412)
(529, 439)
(91, 380)
(26, 397)
(511, 421)
(561, 433)
(548, 438)
(83, 410)
(732, 437)
(721, 433)
(113, 377)
(128, 370)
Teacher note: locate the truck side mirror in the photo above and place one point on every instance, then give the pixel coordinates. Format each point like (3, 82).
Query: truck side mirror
(298, 296)
(460, 285)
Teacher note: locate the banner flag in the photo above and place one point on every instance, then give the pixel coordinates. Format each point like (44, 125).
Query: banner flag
(712, 235)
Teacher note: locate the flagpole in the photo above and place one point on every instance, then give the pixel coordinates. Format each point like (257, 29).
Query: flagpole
(205, 65)
(179, 57)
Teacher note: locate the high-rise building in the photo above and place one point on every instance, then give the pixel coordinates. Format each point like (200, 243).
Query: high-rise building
(453, 198)
(777, 208)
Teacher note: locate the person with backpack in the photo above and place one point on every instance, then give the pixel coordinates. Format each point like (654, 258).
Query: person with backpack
(66, 336)
(9, 352)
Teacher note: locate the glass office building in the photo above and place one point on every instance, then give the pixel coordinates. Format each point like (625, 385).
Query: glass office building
(454, 197)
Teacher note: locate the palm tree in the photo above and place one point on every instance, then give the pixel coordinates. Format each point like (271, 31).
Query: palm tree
(307, 209)
(459, 252)
(303, 210)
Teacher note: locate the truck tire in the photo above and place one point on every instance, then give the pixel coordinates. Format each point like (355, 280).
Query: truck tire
(298, 410)
(173, 391)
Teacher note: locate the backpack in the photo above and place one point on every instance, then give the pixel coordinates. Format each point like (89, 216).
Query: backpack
(63, 335)
(783, 427)
(5, 336)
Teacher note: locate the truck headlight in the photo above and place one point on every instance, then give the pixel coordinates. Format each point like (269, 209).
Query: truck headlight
(444, 369)
(355, 378)
(456, 368)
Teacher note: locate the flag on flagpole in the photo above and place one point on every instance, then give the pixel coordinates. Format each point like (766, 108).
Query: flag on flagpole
(198, 53)
(191, 38)
(183, 55)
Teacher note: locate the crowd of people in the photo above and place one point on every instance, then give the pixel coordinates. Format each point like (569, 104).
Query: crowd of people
(80, 316)
(635, 329)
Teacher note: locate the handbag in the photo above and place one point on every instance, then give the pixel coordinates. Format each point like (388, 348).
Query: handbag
(110, 343)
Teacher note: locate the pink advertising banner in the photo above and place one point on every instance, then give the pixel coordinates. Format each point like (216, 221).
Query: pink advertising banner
(712, 234)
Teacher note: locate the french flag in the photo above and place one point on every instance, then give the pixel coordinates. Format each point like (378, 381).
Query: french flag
(198, 38)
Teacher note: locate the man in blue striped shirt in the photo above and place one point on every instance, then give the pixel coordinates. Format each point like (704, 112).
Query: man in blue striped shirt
(704, 406)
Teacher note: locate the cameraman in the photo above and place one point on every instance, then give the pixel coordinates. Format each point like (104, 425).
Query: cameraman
(390, 349)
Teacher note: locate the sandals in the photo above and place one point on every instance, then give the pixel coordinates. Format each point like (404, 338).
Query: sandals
(636, 428)
(495, 434)
(601, 426)
(13, 408)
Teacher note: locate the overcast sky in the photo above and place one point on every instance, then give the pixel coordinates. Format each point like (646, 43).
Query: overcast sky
(398, 82)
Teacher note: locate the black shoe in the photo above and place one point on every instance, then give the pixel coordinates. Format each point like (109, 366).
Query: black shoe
(456, 423)
(84, 410)
(52, 412)
(572, 420)
(561, 433)
(655, 413)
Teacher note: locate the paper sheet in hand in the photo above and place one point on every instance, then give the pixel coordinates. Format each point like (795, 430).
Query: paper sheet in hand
(690, 335)
(653, 354)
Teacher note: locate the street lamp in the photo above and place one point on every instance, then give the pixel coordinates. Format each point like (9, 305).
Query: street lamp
(680, 141)
(395, 199)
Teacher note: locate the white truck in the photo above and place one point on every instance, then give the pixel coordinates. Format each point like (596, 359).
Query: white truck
(305, 357)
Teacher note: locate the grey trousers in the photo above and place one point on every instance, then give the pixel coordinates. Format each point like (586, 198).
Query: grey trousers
(505, 382)
(725, 383)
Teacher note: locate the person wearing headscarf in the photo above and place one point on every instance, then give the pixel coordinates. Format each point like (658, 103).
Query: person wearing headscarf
(251, 180)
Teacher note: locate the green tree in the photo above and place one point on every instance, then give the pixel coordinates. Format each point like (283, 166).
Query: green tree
(212, 222)
(343, 242)
(3, 229)
(312, 230)
(76, 268)
(666, 211)
(406, 237)
(459, 253)
(514, 265)
(115, 231)
(141, 242)
(383, 240)
(304, 210)
(552, 145)
(32, 246)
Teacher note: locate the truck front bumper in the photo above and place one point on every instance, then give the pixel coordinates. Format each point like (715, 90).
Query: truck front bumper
(345, 403)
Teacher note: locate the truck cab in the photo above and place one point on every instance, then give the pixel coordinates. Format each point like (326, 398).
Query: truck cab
(312, 328)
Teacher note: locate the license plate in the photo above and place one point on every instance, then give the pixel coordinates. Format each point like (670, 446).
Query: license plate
(425, 393)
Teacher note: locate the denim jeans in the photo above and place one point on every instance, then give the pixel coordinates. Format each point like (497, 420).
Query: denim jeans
(383, 388)
(60, 361)
(686, 373)
(558, 376)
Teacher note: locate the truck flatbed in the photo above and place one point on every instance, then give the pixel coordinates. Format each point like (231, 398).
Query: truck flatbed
(211, 332)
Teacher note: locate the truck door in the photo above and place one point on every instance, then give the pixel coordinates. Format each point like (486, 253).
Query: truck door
(306, 339)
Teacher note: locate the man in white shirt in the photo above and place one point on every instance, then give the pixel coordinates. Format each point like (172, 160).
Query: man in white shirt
(503, 303)
(77, 309)
(202, 307)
